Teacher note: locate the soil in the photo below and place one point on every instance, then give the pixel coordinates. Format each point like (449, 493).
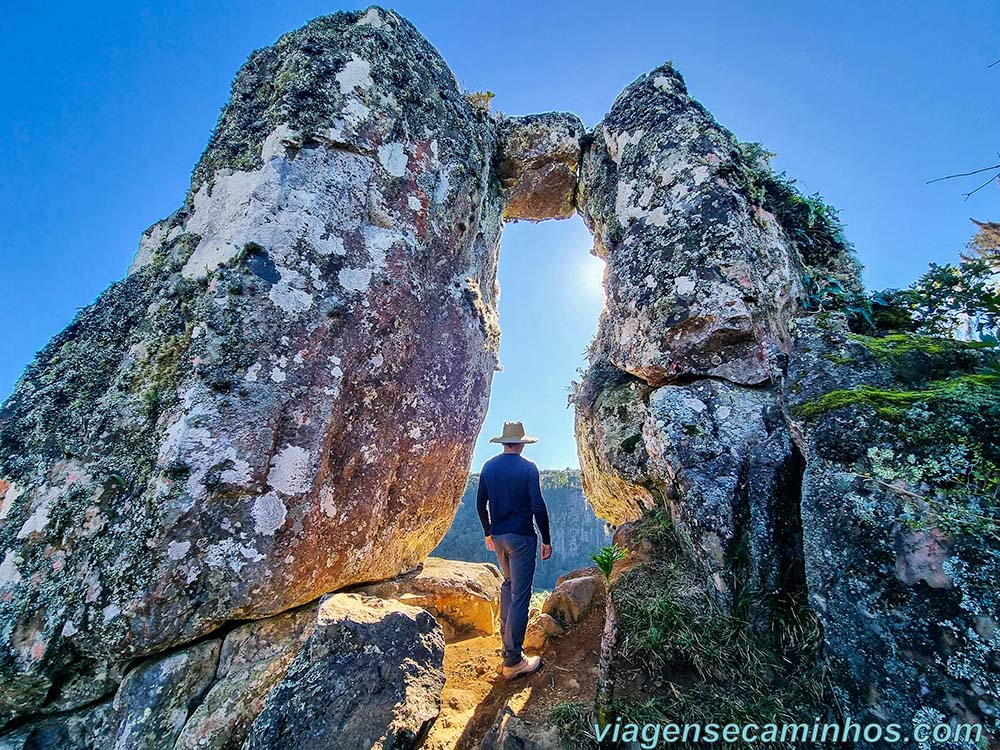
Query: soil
(475, 692)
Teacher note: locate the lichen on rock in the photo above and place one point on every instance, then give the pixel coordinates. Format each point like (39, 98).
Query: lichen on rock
(281, 398)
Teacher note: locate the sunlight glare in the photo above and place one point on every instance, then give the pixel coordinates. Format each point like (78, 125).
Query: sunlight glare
(591, 274)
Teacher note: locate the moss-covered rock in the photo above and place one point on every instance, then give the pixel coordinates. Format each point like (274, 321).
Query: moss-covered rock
(900, 519)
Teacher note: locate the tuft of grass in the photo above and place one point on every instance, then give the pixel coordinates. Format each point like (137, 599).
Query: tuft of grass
(575, 723)
(710, 665)
(606, 557)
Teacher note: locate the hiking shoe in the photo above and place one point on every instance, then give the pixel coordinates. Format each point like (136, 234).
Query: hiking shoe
(527, 665)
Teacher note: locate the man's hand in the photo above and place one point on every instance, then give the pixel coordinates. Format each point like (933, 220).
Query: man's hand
(489, 544)
(546, 551)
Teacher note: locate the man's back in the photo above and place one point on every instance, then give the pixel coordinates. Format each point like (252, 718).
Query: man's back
(509, 487)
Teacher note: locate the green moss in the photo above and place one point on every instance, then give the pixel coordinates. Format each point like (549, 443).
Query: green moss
(837, 359)
(892, 404)
(895, 345)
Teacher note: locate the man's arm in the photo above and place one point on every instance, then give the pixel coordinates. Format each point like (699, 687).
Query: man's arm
(539, 511)
(482, 498)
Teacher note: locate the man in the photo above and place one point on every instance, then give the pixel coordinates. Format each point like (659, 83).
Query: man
(509, 496)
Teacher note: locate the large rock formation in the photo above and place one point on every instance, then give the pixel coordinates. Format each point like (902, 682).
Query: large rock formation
(677, 405)
(281, 398)
(903, 565)
(794, 459)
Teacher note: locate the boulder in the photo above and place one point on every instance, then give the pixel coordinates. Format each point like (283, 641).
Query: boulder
(541, 627)
(463, 596)
(253, 660)
(572, 597)
(902, 578)
(539, 162)
(698, 283)
(369, 676)
(156, 698)
(282, 397)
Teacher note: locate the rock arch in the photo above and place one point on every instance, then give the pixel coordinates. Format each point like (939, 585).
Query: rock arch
(281, 398)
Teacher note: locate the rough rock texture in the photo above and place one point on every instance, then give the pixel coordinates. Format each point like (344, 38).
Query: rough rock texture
(541, 627)
(86, 729)
(370, 676)
(156, 698)
(254, 658)
(678, 407)
(902, 575)
(698, 284)
(463, 596)
(573, 596)
(282, 397)
(540, 158)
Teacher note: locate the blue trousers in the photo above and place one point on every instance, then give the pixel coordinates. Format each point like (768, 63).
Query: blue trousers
(516, 555)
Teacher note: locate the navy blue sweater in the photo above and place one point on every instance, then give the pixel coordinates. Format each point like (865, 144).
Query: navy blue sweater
(509, 486)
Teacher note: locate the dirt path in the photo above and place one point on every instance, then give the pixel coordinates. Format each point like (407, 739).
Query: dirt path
(475, 693)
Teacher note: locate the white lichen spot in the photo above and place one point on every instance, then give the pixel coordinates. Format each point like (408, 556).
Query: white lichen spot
(662, 83)
(177, 550)
(231, 554)
(251, 374)
(13, 493)
(356, 74)
(683, 285)
(111, 612)
(37, 520)
(278, 375)
(68, 629)
(287, 295)
(326, 501)
(268, 514)
(372, 18)
(355, 279)
(10, 575)
(393, 158)
(291, 470)
(414, 203)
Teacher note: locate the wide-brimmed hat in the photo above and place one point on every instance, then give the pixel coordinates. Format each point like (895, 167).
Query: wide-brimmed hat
(513, 432)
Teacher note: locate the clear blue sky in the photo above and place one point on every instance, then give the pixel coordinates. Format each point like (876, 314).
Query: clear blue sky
(108, 105)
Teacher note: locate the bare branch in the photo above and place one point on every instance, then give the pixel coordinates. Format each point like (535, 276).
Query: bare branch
(988, 182)
(964, 174)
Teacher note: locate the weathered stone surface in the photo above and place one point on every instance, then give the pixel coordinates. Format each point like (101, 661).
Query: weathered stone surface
(463, 596)
(370, 676)
(254, 658)
(155, 699)
(282, 396)
(904, 581)
(86, 729)
(541, 627)
(573, 596)
(698, 282)
(540, 159)
(510, 732)
(610, 412)
(724, 458)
